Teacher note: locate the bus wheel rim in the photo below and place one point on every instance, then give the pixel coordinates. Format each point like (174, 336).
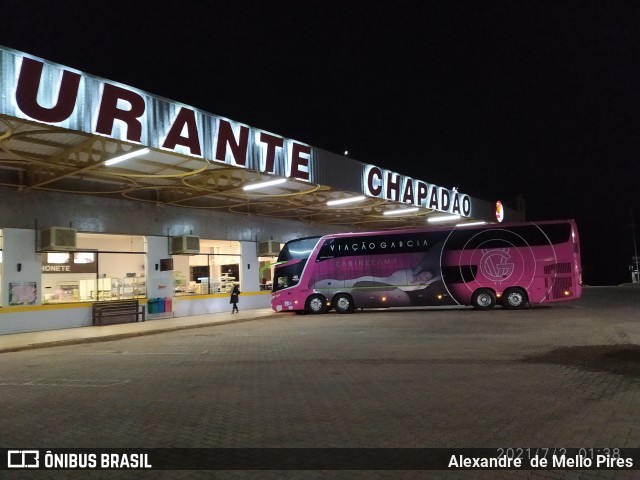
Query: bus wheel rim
(484, 300)
(343, 303)
(315, 304)
(515, 299)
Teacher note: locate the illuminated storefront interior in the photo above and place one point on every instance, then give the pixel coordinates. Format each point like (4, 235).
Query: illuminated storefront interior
(113, 267)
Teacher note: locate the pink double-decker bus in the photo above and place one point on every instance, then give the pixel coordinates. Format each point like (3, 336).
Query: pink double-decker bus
(513, 265)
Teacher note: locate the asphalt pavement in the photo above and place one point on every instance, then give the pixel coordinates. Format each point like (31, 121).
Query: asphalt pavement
(563, 376)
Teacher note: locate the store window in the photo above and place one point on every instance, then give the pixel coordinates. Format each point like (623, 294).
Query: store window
(125, 272)
(68, 276)
(215, 270)
(266, 272)
(105, 267)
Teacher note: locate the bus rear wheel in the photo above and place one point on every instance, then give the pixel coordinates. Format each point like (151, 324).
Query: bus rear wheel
(514, 298)
(483, 299)
(343, 303)
(316, 304)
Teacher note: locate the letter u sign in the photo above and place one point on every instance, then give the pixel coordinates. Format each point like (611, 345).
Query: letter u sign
(29, 84)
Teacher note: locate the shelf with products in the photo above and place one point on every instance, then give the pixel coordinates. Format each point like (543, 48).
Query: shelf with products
(180, 283)
(226, 283)
(134, 287)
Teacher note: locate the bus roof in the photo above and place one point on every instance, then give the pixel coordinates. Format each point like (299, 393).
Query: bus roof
(443, 228)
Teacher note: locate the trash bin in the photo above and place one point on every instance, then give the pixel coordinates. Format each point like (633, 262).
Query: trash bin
(160, 305)
(167, 304)
(152, 305)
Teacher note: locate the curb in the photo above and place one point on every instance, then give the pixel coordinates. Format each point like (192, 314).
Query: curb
(119, 336)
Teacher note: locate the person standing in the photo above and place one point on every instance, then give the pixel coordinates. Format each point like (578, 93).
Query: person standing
(234, 299)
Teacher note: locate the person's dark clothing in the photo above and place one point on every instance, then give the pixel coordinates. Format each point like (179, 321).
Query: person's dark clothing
(234, 299)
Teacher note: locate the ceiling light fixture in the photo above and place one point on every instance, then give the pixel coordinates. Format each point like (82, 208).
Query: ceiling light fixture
(471, 224)
(401, 211)
(269, 183)
(443, 218)
(126, 156)
(344, 201)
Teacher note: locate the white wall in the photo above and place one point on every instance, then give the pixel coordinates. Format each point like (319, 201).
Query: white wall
(185, 306)
(19, 247)
(249, 267)
(159, 283)
(79, 315)
(117, 265)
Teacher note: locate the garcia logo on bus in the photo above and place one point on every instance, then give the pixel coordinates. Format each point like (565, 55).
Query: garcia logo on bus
(495, 264)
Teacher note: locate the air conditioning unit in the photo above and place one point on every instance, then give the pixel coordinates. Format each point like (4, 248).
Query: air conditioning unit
(270, 248)
(58, 239)
(185, 245)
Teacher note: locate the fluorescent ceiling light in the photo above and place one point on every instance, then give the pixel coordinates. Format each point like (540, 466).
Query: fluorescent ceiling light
(401, 211)
(470, 224)
(443, 218)
(270, 183)
(127, 156)
(343, 201)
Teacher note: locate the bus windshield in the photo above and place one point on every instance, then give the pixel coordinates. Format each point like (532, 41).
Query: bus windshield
(292, 259)
(288, 275)
(297, 249)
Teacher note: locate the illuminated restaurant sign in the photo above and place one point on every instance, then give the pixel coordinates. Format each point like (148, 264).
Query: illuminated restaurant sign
(36, 90)
(381, 183)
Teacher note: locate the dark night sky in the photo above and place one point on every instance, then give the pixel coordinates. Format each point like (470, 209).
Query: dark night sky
(539, 98)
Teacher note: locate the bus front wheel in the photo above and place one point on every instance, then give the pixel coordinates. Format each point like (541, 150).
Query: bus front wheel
(316, 304)
(483, 299)
(514, 298)
(343, 303)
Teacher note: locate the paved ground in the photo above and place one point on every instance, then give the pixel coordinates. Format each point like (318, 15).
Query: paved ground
(69, 336)
(565, 376)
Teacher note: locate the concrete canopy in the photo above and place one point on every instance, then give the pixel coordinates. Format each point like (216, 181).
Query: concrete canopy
(70, 156)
